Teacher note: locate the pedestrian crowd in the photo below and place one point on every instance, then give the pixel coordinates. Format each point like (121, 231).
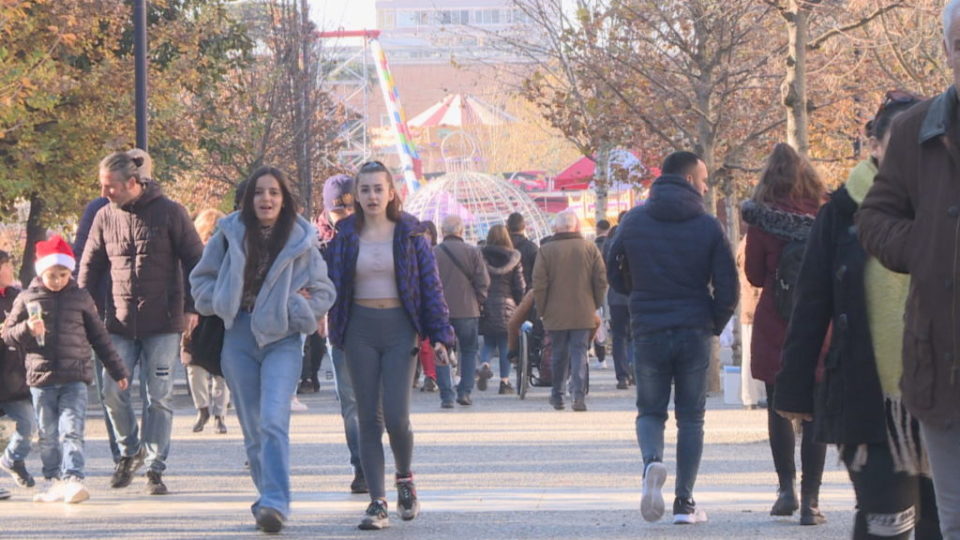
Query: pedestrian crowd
(849, 304)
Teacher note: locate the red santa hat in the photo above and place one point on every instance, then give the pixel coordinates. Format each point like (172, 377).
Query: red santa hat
(53, 252)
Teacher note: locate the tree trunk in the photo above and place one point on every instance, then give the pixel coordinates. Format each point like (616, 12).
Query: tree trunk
(601, 180)
(733, 236)
(35, 233)
(794, 89)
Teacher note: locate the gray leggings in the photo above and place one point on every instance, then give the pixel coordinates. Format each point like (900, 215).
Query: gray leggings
(379, 351)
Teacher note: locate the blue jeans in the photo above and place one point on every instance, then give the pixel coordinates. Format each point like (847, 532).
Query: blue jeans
(467, 335)
(943, 448)
(622, 344)
(61, 410)
(348, 405)
(680, 356)
(158, 357)
(262, 382)
(111, 436)
(22, 414)
(569, 356)
(498, 343)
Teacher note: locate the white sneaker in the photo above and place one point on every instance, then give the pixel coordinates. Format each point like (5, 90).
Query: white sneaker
(651, 503)
(297, 406)
(51, 491)
(602, 365)
(74, 492)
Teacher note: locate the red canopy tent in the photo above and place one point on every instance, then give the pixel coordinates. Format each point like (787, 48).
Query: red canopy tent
(579, 175)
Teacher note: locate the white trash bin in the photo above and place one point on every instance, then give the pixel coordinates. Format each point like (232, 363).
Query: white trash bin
(731, 385)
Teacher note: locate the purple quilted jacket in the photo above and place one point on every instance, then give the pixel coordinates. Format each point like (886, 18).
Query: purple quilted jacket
(418, 281)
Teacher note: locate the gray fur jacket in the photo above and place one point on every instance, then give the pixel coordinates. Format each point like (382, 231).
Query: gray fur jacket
(279, 310)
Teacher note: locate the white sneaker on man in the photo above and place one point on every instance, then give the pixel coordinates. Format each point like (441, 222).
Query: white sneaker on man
(50, 491)
(651, 502)
(686, 512)
(74, 492)
(297, 406)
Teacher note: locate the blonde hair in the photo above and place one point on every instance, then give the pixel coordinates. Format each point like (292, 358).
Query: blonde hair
(146, 167)
(206, 223)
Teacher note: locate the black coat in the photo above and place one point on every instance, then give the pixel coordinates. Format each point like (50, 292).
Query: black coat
(679, 259)
(848, 405)
(73, 326)
(148, 246)
(506, 289)
(528, 255)
(13, 375)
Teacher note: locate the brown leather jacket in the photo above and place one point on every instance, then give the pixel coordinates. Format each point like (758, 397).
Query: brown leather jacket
(149, 246)
(910, 221)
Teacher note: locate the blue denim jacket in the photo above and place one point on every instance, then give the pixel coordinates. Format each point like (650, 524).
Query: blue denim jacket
(418, 280)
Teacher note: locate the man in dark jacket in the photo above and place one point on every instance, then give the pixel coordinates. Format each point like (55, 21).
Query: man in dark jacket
(14, 393)
(527, 248)
(465, 283)
(149, 246)
(910, 221)
(683, 290)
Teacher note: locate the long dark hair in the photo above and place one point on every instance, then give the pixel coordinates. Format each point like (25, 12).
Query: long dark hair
(788, 176)
(394, 207)
(281, 229)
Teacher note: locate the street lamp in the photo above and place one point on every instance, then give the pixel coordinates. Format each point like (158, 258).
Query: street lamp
(140, 69)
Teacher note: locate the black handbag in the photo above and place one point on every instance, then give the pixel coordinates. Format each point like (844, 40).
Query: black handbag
(206, 344)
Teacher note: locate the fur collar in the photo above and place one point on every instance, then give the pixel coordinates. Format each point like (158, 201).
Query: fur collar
(782, 223)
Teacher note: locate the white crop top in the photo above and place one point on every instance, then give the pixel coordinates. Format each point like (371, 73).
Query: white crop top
(376, 275)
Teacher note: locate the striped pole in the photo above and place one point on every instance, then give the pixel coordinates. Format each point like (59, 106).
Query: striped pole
(391, 97)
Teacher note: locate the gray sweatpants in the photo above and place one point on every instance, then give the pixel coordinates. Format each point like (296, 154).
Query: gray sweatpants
(943, 448)
(380, 349)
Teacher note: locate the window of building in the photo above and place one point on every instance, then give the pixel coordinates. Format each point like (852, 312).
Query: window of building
(406, 19)
(387, 19)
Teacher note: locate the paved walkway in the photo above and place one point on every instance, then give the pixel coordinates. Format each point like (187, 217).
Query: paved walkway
(504, 469)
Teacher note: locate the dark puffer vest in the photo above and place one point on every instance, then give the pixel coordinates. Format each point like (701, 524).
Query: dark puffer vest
(506, 289)
(73, 326)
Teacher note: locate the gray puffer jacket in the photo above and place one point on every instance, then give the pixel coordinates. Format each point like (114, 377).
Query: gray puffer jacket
(506, 289)
(73, 326)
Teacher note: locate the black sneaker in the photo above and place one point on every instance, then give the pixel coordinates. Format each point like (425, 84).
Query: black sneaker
(505, 388)
(464, 399)
(155, 485)
(557, 403)
(269, 520)
(375, 518)
(18, 470)
(359, 484)
(407, 504)
(622, 384)
(685, 512)
(483, 375)
(579, 405)
(126, 467)
(446, 404)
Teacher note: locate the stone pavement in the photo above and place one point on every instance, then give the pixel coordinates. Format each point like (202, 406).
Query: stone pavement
(504, 469)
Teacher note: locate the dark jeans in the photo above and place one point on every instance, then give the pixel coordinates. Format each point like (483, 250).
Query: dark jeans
(620, 330)
(679, 356)
(569, 357)
(313, 354)
(891, 504)
(782, 444)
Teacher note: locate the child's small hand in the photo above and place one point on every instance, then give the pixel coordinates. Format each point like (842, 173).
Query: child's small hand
(36, 327)
(122, 384)
(304, 293)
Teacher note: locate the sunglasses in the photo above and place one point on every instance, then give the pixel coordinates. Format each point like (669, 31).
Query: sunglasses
(373, 166)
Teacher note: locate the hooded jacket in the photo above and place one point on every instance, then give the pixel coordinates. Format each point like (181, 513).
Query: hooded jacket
(279, 310)
(910, 221)
(528, 255)
(13, 375)
(72, 327)
(417, 279)
(681, 266)
(148, 246)
(506, 289)
(770, 229)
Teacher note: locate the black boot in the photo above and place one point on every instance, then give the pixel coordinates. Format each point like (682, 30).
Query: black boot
(810, 510)
(786, 503)
(203, 415)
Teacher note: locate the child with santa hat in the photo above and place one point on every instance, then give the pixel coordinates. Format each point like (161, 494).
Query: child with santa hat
(55, 323)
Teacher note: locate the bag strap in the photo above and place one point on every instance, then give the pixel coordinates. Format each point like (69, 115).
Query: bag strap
(456, 262)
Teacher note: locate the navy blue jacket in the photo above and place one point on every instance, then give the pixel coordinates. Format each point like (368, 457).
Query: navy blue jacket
(100, 288)
(681, 265)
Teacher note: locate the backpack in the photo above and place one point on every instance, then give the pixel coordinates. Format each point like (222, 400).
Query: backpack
(786, 277)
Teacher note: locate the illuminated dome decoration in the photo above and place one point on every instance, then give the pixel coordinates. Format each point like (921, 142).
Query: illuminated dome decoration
(482, 200)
